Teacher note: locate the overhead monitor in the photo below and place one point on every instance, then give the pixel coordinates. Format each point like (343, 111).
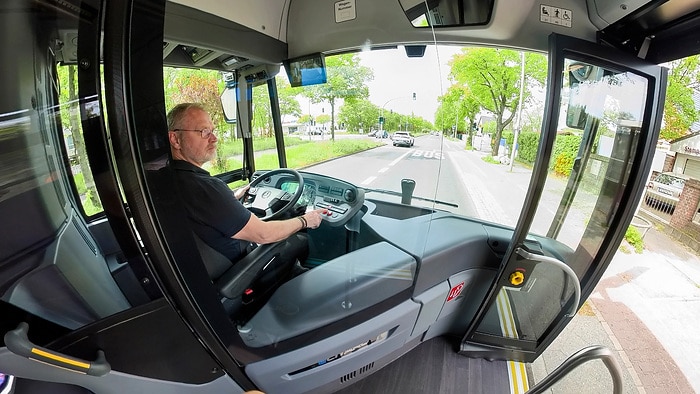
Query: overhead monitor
(306, 70)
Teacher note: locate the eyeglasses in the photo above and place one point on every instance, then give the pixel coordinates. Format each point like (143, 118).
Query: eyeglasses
(205, 133)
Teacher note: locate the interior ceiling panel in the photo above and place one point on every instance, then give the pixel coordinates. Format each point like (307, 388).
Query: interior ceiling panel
(648, 31)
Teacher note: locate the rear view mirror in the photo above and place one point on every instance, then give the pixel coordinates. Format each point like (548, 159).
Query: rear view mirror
(228, 97)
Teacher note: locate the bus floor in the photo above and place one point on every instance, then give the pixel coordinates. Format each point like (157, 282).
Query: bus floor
(435, 367)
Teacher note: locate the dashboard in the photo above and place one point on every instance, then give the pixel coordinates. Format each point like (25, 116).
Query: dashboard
(340, 199)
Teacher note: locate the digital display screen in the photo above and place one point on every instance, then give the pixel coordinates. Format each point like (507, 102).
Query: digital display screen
(307, 70)
(307, 196)
(290, 187)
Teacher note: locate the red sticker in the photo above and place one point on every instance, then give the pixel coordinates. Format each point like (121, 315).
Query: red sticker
(455, 292)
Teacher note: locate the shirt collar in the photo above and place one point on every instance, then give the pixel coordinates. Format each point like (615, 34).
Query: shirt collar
(181, 165)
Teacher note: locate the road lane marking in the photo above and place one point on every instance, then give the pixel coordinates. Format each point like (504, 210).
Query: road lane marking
(385, 169)
(368, 180)
(398, 159)
(484, 202)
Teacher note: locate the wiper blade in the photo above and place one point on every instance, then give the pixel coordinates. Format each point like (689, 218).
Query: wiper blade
(393, 193)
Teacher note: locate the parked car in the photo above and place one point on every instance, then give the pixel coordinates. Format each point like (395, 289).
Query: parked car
(664, 191)
(402, 138)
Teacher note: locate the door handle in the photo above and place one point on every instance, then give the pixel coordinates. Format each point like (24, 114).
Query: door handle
(18, 343)
(551, 260)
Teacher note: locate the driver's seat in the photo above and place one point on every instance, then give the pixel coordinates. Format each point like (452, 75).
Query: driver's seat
(248, 283)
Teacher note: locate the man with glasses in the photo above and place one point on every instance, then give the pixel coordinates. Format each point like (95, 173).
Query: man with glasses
(215, 212)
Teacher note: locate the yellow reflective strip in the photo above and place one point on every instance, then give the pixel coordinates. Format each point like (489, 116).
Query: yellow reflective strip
(60, 359)
(513, 378)
(523, 374)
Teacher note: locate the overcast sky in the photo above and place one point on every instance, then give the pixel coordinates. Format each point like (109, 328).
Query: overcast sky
(397, 77)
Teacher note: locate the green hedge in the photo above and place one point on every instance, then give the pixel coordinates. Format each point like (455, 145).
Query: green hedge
(527, 146)
(563, 154)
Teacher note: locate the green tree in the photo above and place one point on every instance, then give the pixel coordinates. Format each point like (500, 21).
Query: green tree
(679, 108)
(196, 86)
(493, 79)
(359, 114)
(323, 119)
(346, 80)
(456, 106)
(70, 120)
(304, 119)
(289, 105)
(262, 113)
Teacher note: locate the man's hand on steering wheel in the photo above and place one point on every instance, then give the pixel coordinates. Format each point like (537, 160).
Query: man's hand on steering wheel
(241, 192)
(269, 202)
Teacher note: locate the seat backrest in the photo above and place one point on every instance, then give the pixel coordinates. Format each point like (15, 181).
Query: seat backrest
(215, 262)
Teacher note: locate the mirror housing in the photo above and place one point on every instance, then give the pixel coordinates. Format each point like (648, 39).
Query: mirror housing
(579, 74)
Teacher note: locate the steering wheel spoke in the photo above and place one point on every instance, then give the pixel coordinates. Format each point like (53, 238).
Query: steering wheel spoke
(267, 198)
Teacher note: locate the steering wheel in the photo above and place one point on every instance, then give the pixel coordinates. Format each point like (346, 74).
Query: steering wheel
(264, 201)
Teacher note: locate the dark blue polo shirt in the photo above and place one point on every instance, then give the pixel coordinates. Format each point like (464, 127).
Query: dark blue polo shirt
(214, 213)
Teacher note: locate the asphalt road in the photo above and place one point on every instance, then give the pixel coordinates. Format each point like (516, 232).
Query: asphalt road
(384, 168)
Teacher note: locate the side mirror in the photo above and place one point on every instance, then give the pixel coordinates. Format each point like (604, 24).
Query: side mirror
(583, 99)
(579, 73)
(228, 104)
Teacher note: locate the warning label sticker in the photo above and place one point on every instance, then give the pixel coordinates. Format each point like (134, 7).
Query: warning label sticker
(555, 15)
(345, 11)
(455, 292)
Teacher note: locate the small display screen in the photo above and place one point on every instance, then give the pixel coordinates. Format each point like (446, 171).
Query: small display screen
(307, 70)
(290, 187)
(307, 196)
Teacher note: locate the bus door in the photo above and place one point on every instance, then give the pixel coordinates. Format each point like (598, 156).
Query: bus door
(609, 105)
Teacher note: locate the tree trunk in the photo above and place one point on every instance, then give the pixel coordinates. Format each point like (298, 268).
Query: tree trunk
(496, 140)
(78, 141)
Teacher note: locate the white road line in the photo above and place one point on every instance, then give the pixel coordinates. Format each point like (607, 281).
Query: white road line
(485, 204)
(368, 180)
(398, 159)
(385, 169)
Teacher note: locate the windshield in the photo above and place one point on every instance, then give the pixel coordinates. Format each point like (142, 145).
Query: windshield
(418, 126)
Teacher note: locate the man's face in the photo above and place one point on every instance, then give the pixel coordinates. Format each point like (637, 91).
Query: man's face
(189, 145)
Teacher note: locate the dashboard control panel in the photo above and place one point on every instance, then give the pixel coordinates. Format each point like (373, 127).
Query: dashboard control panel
(340, 200)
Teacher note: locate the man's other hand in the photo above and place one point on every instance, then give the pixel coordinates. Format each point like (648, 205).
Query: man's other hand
(241, 192)
(313, 218)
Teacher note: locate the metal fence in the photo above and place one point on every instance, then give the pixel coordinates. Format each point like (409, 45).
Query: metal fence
(658, 206)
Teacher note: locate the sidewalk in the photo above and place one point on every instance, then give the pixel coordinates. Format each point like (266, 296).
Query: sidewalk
(646, 309)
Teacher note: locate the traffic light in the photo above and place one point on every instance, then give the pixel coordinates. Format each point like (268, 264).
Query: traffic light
(381, 120)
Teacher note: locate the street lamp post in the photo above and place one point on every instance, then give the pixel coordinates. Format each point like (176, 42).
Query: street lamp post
(381, 112)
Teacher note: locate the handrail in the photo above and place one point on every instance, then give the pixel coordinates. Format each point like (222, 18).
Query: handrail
(546, 259)
(577, 359)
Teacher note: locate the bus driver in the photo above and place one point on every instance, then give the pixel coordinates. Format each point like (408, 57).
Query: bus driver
(214, 211)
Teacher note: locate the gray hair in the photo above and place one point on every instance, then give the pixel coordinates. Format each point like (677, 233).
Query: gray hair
(177, 113)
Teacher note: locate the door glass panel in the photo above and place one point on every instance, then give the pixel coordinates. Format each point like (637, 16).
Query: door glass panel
(601, 112)
(67, 84)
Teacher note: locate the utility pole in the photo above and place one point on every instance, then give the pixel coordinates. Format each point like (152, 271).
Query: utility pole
(520, 110)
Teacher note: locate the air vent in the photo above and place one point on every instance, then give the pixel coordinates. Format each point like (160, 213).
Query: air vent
(352, 375)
